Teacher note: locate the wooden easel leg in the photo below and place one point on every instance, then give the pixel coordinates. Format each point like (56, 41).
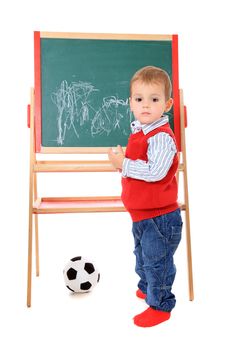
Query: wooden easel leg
(30, 235)
(188, 240)
(186, 200)
(37, 246)
(31, 190)
(29, 279)
(36, 229)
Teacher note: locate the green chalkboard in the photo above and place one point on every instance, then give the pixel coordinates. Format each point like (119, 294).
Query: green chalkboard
(85, 88)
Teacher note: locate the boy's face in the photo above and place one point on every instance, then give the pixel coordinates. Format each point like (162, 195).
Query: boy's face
(148, 102)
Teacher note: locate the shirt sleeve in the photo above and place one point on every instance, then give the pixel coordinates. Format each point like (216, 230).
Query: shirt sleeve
(160, 154)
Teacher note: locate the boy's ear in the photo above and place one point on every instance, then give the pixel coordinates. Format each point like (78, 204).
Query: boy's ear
(169, 104)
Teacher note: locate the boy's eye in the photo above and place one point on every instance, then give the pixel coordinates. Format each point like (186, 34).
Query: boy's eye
(138, 99)
(155, 99)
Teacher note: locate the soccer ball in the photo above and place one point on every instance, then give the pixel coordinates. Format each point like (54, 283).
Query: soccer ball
(80, 275)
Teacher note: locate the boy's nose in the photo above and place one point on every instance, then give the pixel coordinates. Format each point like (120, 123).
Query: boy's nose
(145, 103)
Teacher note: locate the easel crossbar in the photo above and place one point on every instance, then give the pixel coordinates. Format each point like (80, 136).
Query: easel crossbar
(49, 205)
(77, 166)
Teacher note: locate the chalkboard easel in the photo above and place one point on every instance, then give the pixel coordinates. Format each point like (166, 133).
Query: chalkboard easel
(79, 105)
(82, 87)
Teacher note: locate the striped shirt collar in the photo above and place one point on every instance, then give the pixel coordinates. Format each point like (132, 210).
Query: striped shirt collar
(136, 126)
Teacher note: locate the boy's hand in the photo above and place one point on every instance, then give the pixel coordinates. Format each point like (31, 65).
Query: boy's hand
(116, 157)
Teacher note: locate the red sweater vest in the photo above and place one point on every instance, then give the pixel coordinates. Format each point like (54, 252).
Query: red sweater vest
(144, 200)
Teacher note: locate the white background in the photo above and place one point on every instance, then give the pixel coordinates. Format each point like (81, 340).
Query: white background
(103, 319)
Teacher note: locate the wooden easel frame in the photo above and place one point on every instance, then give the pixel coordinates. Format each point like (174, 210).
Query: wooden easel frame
(39, 205)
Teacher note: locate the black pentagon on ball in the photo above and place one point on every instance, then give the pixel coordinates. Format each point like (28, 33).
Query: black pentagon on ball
(76, 258)
(89, 267)
(71, 274)
(85, 286)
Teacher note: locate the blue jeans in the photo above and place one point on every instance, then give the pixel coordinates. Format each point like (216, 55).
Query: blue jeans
(156, 241)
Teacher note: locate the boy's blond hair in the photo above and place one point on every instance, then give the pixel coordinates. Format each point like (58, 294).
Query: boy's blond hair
(150, 75)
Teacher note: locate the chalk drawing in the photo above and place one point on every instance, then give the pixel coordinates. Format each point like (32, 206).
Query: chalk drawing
(110, 116)
(74, 111)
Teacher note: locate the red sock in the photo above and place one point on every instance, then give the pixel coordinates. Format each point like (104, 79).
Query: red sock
(151, 317)
(140, 294)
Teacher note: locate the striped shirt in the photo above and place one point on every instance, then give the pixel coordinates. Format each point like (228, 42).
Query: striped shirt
(160, 154)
